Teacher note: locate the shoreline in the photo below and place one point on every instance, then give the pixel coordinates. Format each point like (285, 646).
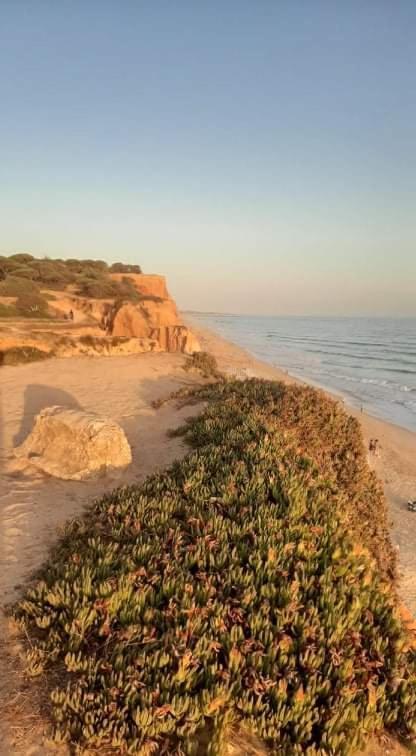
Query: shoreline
(387, 408)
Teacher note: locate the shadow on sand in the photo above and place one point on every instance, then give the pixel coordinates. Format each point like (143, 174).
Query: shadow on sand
(36, 398)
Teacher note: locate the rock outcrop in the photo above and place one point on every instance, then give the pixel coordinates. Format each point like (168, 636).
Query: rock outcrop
(176, 339)
(160, 313)
(107, 326)
(128, 320)
(148, 284)
(154, 317)
(75, 445)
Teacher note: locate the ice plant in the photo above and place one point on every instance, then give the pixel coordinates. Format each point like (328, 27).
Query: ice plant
(235, 590)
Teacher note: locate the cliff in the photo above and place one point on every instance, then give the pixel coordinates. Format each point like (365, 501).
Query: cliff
(154, 316)
(148, 284)
(146, 321)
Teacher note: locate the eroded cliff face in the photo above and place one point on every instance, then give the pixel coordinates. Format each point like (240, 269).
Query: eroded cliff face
(155, 317)
(148, 284)
(108, 327)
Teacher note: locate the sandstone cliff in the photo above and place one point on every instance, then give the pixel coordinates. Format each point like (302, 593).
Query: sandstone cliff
(105, 326)
(148, 284)
(154, 317)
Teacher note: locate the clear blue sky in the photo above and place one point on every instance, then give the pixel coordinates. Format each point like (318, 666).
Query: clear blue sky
(261, 154)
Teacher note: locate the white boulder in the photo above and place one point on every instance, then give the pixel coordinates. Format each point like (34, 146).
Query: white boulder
(75, 445)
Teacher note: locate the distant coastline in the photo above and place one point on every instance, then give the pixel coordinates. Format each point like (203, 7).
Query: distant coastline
(370, 362)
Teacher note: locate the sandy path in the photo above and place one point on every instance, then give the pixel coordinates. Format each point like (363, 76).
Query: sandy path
(33, 507)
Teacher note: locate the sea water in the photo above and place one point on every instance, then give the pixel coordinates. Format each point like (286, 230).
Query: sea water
(371, 362)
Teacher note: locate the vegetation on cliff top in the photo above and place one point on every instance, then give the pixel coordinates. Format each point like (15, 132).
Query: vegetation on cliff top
(249, 587)
(22, 275)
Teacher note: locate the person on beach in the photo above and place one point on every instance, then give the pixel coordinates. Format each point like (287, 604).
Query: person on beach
(71, 314)
(374, 447)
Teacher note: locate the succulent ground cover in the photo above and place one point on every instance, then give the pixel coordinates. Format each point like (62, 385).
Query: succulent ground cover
(230, 593)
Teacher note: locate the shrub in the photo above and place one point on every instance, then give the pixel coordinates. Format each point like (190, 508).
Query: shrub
(104, 288)
(14, 287)
(127, 290)
(205, 363)
(24, 271)
(32, 306)
(51, 273)
(90, 276)
(21, 355)
(8, 265)
(87, 266)
(225, 592)
(96, 288)
(7, 311)
(22, 257)
(119, 267)
(88, 340)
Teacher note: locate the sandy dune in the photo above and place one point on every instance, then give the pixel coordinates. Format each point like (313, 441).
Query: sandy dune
(33, 507)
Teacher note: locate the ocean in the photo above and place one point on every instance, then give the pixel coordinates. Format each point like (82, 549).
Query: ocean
(370, 362)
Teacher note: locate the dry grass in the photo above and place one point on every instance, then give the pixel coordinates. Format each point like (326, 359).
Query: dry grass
(21, 355)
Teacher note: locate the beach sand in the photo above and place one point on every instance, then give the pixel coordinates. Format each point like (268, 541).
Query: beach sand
(33, 507)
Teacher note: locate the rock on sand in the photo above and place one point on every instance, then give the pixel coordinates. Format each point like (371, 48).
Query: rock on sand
(74, 445)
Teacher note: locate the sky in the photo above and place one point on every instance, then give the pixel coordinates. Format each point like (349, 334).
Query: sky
(261, 154)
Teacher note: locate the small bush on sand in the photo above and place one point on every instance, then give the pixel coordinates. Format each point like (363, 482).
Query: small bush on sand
(7, 311)
(227, 593)
(204, 363)
(21, 355)
(87, 339)
(32, 306)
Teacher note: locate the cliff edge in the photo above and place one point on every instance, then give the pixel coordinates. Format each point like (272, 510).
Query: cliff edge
(141, 317)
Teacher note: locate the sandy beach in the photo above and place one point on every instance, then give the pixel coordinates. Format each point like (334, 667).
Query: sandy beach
(33, 507)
